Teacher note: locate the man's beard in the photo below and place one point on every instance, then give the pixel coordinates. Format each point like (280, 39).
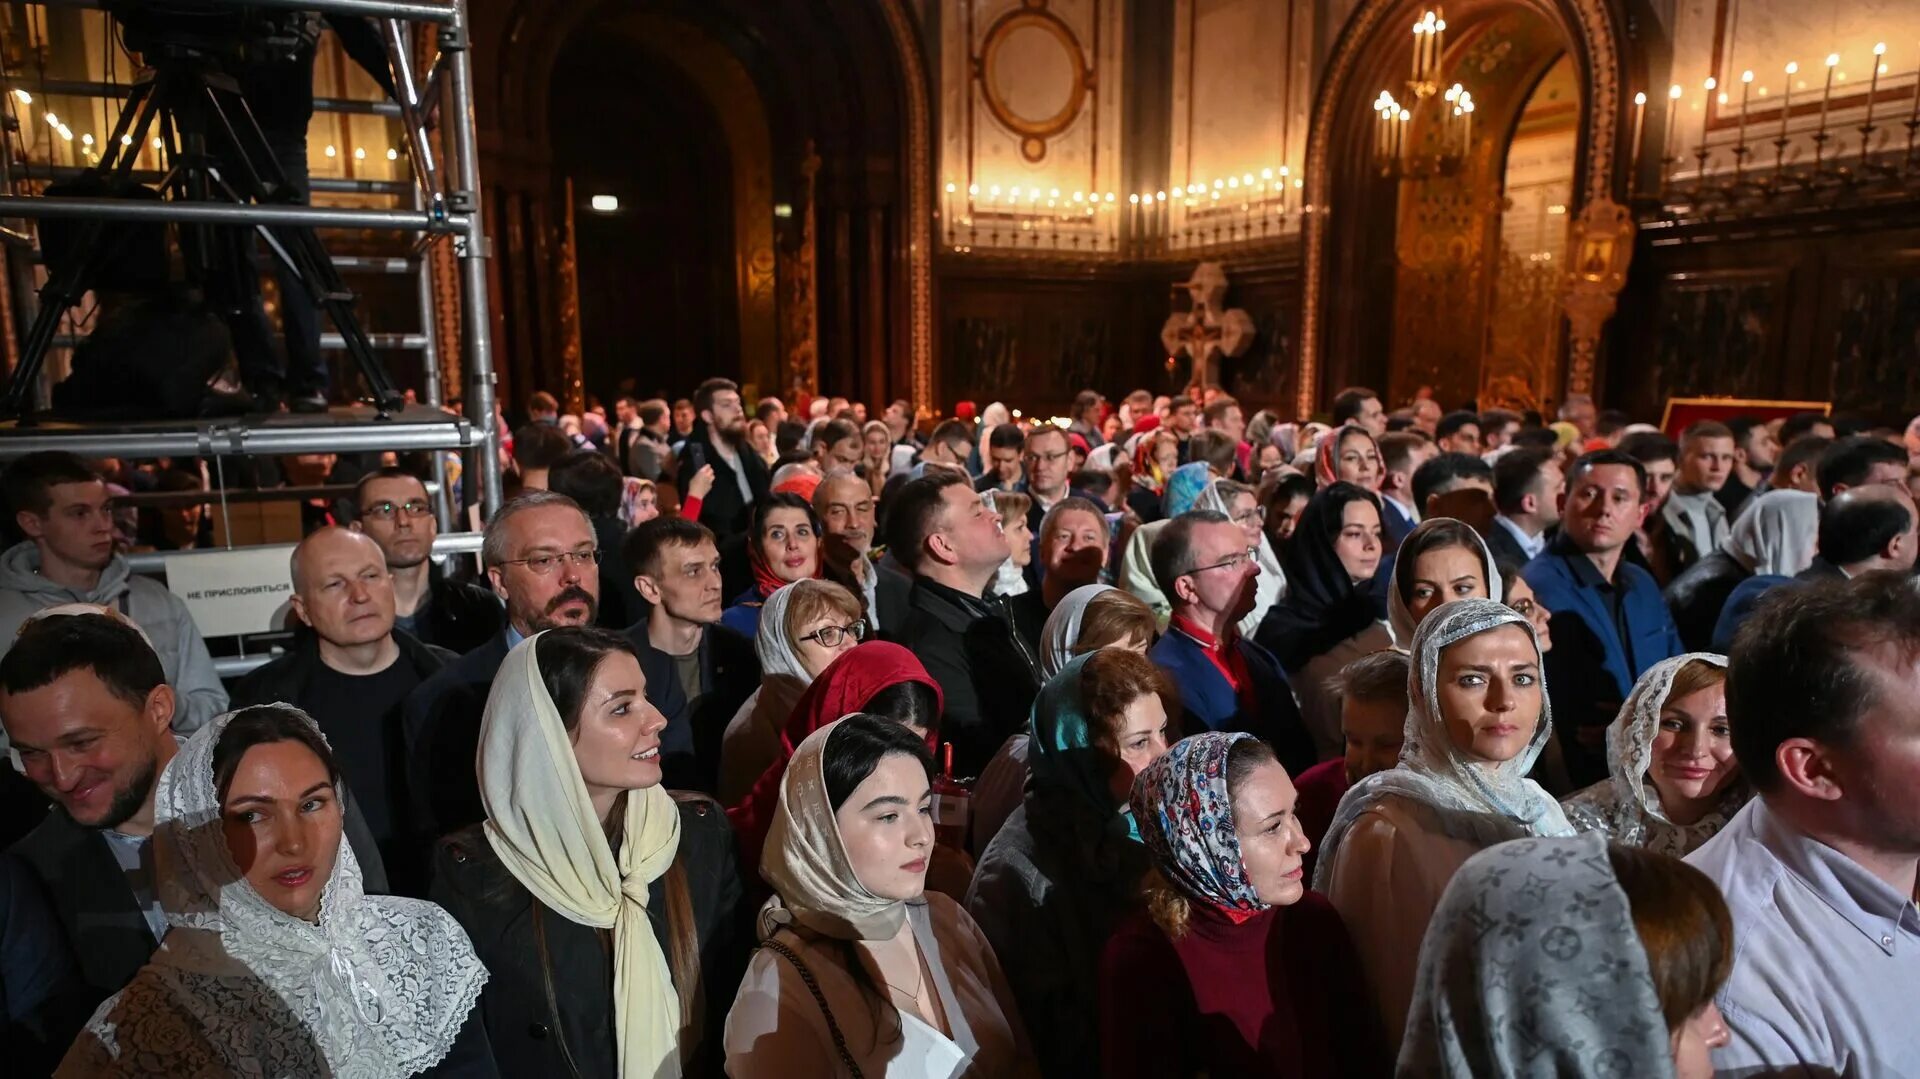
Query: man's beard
(129, 799)
(735, 436)
(545, 620)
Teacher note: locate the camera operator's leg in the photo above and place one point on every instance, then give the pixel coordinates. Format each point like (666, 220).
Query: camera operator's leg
(307, 378)
(233, 292)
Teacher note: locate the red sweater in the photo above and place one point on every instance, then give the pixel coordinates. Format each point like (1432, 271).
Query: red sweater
(1280, 995)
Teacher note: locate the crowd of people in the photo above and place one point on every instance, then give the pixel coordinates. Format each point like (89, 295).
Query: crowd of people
(1158, 739)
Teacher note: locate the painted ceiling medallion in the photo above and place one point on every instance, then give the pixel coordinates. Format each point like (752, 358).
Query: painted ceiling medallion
(1033, 75)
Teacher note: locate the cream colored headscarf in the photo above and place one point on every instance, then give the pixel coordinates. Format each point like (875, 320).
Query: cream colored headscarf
(541, 823)
(806, 861)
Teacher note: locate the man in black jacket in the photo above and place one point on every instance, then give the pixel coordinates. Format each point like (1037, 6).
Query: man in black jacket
(87, 706)
(542, 560)
(698, 671)
(951, 543)
(719, 439)
(352, 671)
(391, 507)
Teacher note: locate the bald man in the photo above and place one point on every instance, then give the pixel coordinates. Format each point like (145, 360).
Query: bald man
(350, 669)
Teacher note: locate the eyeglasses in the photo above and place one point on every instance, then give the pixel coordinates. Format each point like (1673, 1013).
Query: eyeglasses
(1050, 458)
(544, 565)
(1257, 513)
(832, 636)
(1232, 561)
(386, 511)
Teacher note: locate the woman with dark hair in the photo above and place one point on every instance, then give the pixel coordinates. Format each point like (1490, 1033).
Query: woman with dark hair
(1442, 560)
(1285, 498)
(1234, 967)
(608, 909)
(1606, 964)
(1478, 718)
(863, 971)
(1348, 455)
(783, 546)
(877, 677)
(1067, 863)
(275, 962)
(1328, 617)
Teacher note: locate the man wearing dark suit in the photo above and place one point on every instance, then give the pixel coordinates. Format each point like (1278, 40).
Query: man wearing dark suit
(940, 531)
(1609, 621)
(1204, 567)
(542, 560)
(640, 445)
(1401, 455)
(719, 439)
(87, 706)
(698, 671)
(1527, 487)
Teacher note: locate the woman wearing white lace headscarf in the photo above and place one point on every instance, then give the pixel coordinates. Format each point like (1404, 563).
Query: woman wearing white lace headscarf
(1478, 719)
(603, 905)
(795, 625)
(1672, 778)
(275, 962)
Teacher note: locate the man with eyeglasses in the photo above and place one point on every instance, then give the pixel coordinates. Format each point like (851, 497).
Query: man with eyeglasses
(428, 603)
(544, 563)
(1049, 461)
(1207, 570)
(352, 670)
(698, 671)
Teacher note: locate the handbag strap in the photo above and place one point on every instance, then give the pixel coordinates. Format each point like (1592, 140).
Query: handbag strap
(819, 998)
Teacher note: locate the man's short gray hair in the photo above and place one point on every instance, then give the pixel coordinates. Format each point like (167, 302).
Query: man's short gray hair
(493, 542)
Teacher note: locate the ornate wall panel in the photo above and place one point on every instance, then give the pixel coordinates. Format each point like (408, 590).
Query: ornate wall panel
(1872, 356)
(1719, 333)
(1030, 98)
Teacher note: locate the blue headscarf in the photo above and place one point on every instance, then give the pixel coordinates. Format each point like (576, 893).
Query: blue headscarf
(1061, 756)
(1184, 487)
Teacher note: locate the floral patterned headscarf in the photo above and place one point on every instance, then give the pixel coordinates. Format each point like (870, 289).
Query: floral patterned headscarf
(1185, 816)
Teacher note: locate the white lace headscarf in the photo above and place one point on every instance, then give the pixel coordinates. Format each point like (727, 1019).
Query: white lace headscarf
(1062, 631)
(1776, 533)
(379, 986)
(1475, 800)
(1625, 805)
(1271, 585)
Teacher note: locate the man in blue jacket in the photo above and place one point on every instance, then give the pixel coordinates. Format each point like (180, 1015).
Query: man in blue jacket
(1609, 621)
(1206, 570)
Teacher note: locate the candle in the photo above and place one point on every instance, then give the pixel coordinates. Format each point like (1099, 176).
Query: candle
(1786, 100)
(1826, 95)
(1746, 88)
(1639, 125)
(1706, 115)
(1673, 122)
(1873, 84)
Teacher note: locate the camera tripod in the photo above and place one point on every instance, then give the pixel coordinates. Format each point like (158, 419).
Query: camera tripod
(217, 153)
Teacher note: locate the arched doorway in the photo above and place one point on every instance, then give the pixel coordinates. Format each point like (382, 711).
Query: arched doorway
(1405, 276)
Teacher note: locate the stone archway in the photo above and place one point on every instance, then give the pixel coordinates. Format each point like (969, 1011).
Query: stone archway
(1592, 39)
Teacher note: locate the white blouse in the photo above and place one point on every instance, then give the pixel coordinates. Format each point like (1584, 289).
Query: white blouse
(776, 1029)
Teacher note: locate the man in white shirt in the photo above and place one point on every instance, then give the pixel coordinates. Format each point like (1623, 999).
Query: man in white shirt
(1527, 487)
(1819, 869)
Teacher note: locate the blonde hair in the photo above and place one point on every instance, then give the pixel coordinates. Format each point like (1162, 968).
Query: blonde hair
(814, 598)
(1011, 505)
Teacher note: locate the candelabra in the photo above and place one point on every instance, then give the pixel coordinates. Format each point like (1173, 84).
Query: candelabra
(1445, 118)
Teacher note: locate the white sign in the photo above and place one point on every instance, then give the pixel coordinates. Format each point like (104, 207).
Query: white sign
(229, 592)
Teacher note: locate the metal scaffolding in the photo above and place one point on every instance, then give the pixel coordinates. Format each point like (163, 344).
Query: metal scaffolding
(445, 202)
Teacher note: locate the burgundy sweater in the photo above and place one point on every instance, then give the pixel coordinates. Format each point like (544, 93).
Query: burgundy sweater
(1279, 995)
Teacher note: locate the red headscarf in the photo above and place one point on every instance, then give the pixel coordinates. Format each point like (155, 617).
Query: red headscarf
(842, 689)
(1326, 456)
(764, 578)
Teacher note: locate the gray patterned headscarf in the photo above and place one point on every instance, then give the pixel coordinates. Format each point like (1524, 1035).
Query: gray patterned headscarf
(1626, 806)
(1472, 800)
(1531, 967)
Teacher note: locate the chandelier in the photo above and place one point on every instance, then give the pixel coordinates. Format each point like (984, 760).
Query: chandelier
(1445, 117)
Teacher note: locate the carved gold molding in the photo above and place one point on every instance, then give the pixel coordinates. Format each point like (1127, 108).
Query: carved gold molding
(1590, 33)
(1601, 242)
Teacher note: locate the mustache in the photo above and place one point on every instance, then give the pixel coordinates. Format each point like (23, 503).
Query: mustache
(573, 594)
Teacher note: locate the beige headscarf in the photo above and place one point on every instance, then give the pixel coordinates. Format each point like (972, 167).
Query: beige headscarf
(806, 861)
(542, 825)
